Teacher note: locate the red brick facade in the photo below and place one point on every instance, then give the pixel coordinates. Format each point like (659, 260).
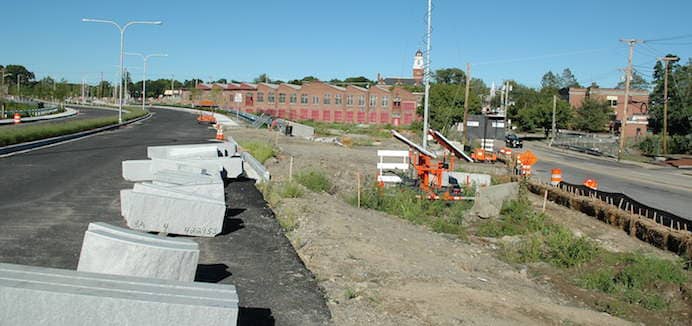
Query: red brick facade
(637, 117)
(318, 101)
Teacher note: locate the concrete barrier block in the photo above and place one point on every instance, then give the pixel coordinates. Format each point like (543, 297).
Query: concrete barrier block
(209, 150)
(113, 250)
(181, 191)
(46, 296)
(489, 200)
(137, 170)
(232, 167)
(186, 178)
(179, 214)
(462, 178)
(214, 191)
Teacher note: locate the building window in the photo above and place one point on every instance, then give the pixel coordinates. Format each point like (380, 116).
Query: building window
(385, 101)
(373, 100)
(282, 98)
(397, 102)
(613, 103)
(337, 99)
(349, 100)
(270, 97)
(303, 98)
(327, 99)
(361, 100)
(315, 99)
(294, 98)
(260, 97)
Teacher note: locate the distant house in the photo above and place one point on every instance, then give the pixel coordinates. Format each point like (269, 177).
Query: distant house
(415, 80)
(637, 110)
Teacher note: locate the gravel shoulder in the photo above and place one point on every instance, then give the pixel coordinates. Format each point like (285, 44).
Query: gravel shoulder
(377, 269)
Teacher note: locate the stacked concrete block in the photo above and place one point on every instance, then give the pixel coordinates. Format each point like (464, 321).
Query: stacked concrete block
(463, 178)
(46, 296)
(158, 208)
(113, 250)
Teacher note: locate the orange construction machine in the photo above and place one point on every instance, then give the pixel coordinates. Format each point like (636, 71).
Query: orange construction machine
(206, 118)
(430, 172)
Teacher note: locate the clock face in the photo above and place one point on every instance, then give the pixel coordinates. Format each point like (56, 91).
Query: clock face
(419, 62)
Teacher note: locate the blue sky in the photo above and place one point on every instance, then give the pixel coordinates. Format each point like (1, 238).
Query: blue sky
(518, 40)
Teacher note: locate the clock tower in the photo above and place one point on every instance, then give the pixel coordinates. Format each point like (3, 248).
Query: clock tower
(418, 70)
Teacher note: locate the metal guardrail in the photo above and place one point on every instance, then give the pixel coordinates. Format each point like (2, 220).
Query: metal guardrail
(257, 166)
(587, 143)
(628, 204)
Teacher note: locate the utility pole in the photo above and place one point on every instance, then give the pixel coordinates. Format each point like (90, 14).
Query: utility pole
(554, 130)
(628, 76)
(101, 86)
(466, 100)
(426, 72)
(666, 59)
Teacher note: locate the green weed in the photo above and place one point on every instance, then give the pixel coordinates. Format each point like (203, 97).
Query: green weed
(314, 180)
(261, 151)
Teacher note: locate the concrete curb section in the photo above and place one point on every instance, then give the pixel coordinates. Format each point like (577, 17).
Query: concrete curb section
(68, 113)
(59, 139)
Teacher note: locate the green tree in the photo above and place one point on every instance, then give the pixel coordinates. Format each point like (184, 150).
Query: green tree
(551, 81)
(593, 116)
(637, 82)
(19, 70)
(449, 76)
(261, 79)
(540, 114)
(567, 79)
(679, 98)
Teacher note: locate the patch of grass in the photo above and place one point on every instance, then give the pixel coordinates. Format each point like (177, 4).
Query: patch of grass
(291, 189)
(314, 180)
(634, 278)
(350, 293)
(10, 136)
(518, 217)
(261, 151)
(288, 221)
(440, 216)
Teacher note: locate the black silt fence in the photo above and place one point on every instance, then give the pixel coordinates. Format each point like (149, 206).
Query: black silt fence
(628, 204)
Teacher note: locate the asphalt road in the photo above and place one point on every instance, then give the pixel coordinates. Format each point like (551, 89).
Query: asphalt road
(83, 113)
(49, 196)
(666, 188)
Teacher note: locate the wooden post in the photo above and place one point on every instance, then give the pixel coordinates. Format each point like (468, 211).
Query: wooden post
(545, 199)
(358, 187)
(655, 219)
(620, 204)
(290, 169)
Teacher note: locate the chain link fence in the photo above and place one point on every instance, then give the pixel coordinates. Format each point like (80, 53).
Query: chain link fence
(597, 144)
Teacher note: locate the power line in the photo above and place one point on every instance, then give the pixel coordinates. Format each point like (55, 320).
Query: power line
(543, 56)
(668, 38)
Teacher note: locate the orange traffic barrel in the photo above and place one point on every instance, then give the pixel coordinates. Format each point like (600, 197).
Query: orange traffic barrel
(17, 118)
(555, 177)
(591, 183)
(526, 169)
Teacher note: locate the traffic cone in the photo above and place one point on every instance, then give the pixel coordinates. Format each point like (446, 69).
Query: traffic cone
(219, 132)
(17, 118)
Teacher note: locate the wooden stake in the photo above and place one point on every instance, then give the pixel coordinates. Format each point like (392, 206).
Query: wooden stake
(620, 204)
(290, 169)
(545, 199)
(358, 187)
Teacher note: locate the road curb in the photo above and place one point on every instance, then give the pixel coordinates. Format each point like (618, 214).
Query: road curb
(36, 144)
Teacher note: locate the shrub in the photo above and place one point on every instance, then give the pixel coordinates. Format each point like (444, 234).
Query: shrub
(314, 180)
(261, 151)
(291, 189)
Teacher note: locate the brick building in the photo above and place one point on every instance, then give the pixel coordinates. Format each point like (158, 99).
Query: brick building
(637, 116)
(318, 101)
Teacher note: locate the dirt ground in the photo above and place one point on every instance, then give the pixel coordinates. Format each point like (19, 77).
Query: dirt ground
(381, 270)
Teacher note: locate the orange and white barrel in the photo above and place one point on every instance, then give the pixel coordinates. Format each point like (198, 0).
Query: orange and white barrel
(525, 169)
(17, 118)
(591, 183)
(555, 177)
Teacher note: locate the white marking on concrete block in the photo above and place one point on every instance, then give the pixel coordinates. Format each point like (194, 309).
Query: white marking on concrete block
(46, 296)
(112, 250)
(177, 214)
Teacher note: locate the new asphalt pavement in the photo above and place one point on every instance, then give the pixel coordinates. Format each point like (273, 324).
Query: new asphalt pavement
(666, 188)
(49, 196)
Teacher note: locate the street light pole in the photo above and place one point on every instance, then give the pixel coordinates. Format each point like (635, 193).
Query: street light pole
(122, 49)
(144, 80)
